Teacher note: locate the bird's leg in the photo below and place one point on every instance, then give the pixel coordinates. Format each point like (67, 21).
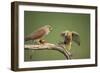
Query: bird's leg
(42, 41)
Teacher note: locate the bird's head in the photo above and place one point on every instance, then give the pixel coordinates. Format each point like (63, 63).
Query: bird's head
(49, 26)
(65, 33)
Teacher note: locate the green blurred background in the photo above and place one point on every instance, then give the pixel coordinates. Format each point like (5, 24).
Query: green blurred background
(79, 23)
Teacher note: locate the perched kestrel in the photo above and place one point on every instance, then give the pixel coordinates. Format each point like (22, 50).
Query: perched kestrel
(39, 34)
(68, 37)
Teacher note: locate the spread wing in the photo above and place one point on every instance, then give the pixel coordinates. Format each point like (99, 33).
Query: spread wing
(76, 38)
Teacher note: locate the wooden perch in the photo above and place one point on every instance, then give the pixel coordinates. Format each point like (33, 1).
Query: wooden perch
(48, 46)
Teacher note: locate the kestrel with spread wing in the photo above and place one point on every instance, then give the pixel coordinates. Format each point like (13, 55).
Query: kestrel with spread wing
(69, 37)
(39, 34)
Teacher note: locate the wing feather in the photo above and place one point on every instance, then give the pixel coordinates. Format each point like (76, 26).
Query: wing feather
(38, 34)
(76, 38)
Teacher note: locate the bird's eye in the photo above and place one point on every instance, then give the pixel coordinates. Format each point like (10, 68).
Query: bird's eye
(50, 28)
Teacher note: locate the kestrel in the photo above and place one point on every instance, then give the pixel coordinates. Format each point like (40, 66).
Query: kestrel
(39, 34)
(69, 37)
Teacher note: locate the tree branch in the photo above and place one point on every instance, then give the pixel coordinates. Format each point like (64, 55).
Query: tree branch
(49, 46)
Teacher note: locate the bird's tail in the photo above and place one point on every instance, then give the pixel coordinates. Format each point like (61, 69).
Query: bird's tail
(27, 38)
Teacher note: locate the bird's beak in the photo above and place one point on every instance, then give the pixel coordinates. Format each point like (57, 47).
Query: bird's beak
(50, 28)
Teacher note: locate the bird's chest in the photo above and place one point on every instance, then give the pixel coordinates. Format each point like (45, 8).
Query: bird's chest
(67, 40)
(47, 31)
(68, 46)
